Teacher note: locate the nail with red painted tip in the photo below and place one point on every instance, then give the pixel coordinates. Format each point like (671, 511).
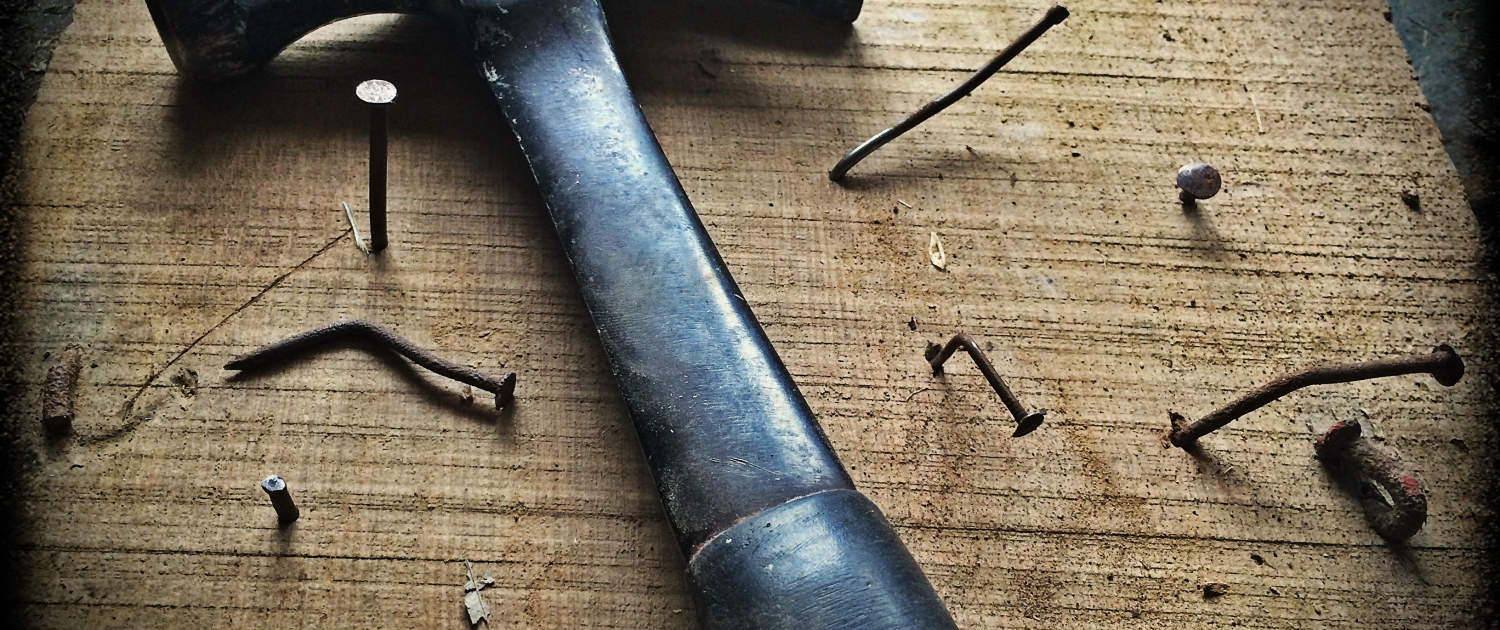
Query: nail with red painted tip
(1398, 509)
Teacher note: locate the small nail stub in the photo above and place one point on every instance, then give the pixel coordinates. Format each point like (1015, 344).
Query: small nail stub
(1398, 509)
(60, 390)
(281, 499)
(1198, 181)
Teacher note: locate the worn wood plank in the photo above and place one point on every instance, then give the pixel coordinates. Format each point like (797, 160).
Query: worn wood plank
(169, 228)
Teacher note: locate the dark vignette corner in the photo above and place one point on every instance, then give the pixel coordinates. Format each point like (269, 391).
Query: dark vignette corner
(1453, 50)
(29, 30)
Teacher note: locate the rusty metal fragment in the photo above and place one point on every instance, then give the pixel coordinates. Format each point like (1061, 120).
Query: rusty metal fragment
(60, 391)
(1393, 499)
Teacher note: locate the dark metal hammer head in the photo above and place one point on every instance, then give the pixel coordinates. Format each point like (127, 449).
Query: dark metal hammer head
(216, 39)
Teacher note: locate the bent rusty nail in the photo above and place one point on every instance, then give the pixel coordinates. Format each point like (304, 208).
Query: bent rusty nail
(503, 388)
(1054, 16)
(1348, 454)
(1443, 363)
(1026, 421)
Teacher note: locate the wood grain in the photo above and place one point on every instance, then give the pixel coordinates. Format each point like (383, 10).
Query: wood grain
(171, 227)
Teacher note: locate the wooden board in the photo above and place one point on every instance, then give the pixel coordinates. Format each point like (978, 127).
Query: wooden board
(170, 228)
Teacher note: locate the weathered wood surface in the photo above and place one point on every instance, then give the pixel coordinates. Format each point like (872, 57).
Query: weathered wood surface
(170, 229)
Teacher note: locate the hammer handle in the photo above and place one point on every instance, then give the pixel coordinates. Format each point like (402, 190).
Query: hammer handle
(773, 530)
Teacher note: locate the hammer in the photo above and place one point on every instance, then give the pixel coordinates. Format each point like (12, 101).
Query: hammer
(774, 533)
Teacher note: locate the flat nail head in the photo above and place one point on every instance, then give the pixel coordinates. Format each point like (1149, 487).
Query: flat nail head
(376, 92)
(1451, 368)
(1030, 423)
(273, 483)
(1199, 180)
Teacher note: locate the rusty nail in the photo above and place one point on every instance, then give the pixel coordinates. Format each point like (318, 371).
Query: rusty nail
(1443, 363)
(503, 388)
(281, 499)
(1053, 17)
(1198, 181)
(60, 391)
(1026, 421)
(1363, 466)
(378, 95)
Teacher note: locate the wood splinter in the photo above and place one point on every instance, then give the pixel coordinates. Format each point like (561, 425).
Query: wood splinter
(60, 391)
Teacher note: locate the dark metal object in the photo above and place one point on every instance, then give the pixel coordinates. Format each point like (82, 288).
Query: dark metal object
(296, 345)
(727, 435)
(841, 10)
(1026, 421)
(281, 499)
(1443, 364)
(761, 574)
(1198, 181)
(378, 95)
(1356, 462)
(60, 391)
(1054, 16)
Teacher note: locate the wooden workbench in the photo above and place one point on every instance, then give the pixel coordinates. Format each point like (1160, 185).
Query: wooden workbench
(170, 228)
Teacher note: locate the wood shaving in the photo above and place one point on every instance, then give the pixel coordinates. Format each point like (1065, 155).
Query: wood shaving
(473, 601)
(936, 254)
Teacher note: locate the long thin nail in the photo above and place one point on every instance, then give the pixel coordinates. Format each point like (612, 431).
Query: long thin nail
(1357, 461)
(378, 95)
(281, 499)
(503, 388)
(1443, 363)
(1054, 16)
(1026, 421)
